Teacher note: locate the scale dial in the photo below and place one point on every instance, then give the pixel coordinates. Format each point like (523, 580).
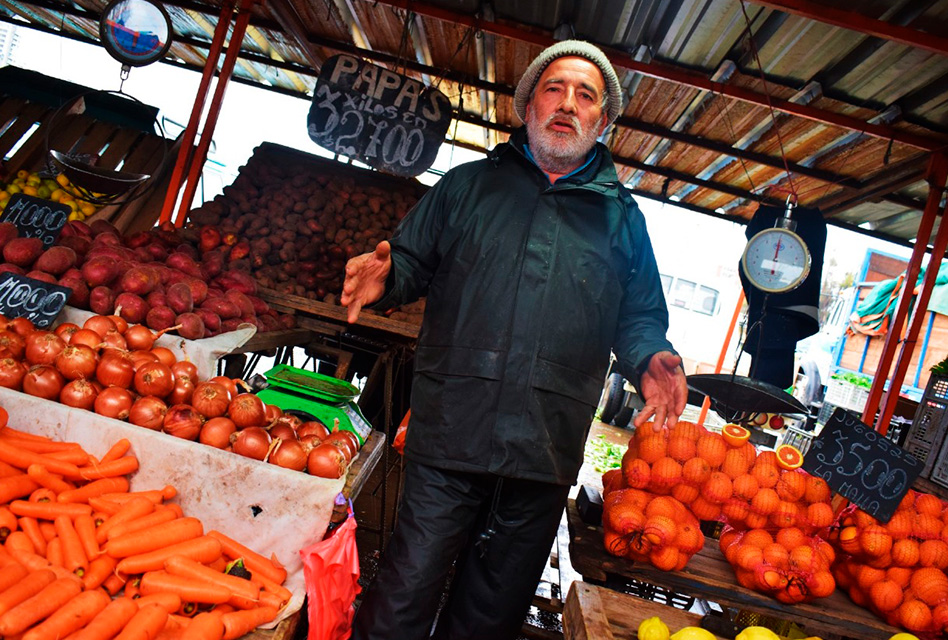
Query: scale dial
(776, 260)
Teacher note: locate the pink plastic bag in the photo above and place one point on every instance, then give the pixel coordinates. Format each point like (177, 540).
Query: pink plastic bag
(331, 571)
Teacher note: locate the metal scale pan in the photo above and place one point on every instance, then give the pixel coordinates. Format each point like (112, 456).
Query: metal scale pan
(734, 397)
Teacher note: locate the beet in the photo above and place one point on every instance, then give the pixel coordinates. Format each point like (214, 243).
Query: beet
(139, 281)
(101, 300)
(8, 231)
(12, 268)
(22, 252)
(192, 327)
(179, 298)
(159, 318)
(157, 298)
(185, 263)
(198, 290)
(212, 321)
(56, 260)
(80, 291)
(99, 271)
(131, 307)
(243, 303)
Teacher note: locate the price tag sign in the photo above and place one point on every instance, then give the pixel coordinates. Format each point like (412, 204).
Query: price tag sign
(36, 300)
(36, 217)
(384, 119)
(862, 465)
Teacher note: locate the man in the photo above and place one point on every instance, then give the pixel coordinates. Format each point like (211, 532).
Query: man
(536, 263)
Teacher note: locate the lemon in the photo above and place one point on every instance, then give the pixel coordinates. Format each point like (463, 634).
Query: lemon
(757, 633)
(653, 629)
(693, 633)
(903, 636)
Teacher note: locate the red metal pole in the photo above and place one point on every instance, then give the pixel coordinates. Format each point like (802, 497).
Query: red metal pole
(937, 172)
(214, 110)
(185, 153)
(720, 363)
(918, 314)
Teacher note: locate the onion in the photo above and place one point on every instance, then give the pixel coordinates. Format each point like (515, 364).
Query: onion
(252, 442)
(282, 431)
(288, 420)
(185, 369)
(182, 421)
(312, 428)
(288, 454)
(11, 373)
(228, 383)
(216, 432)
(79, 393)
(42, 347)
(138, 336)
(43, 381)
(76, 361)
(65, 331)
(114, 402)
(87, 337)
(115, 370)
(210, 399)
(346, 439)
(165, 355)
(182, 392)
(141, 357)
(99, 324)
(148, 412)
(310, 442)
(247, 410)
(22, 325)
(327, 461)
(121, 324)
(154, 379)
(114, 340)
(14, 343)
(273, 412)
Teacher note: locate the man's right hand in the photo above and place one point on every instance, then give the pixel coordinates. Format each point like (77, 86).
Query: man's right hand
(365, 279)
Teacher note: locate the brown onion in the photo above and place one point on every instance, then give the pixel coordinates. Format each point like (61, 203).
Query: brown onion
(121, 324)
(114, 340)
(99, 324)
(327, 461)
(14, 343)
(182, 421)
(42, 347)
(43, 381)
(80, 394)
(12, 373)
(273, 412)
(210, 399)
(139, 337)
(312, 428)
(154, 379)
(228, 383)
(165, 355)
(216, 432)
(185, 369)
(182, 392)
(252, 442)
(289, 420)
(22, 325)
(65, 331)
(247, 410)
(114, 402)
(283, 432)
(140, 357)
(87, 337)
(77, 361)
(115, 370)
(346, 439)
(148, 412)
(288, 454)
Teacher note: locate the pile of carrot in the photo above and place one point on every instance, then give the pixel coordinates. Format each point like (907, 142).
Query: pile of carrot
(84, 558)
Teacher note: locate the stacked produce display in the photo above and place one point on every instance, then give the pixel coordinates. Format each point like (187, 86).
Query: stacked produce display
(55, 189)
(781, 534)
(83, 554)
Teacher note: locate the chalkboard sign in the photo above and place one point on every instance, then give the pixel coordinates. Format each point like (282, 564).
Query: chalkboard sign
(38, 301)
(862, 465)
(36, 217)
(384, 119)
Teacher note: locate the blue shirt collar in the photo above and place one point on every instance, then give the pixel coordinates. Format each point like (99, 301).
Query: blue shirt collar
(589, 158)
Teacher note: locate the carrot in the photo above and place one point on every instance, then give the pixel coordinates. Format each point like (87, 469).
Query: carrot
(269, 585)
(22, 459)
(41, 476)
(30, 526)
(155, 495)
(132, 509)
(204, 549)
(94, 489)
(156, 537)
(98, 517)
(109, 621)
(54, 553)
(119, 449)
(99, 570)
(29, 559)
(252, 560)
(41, 446)
(42, 494)
(152, 519)
(8, 523)
(176, 508)
(205, 626)
(197, 572)
(131, 589)
(10, 432)
(219, 565)
(107, 507)
(238, 623)
(47, 529)
(39, 606)
(11, 575)
(121, 467)
(18, 486)
(168, 601)
(48, 510)
(19, 541)
(74, 556)
(224, 608)
(25, 588)
(145, 625)
(74, 456)
(7, 470)
(174, 628)
(85, 529)
(115, 582)
(73, 615)
(269, 599)
(187, 589)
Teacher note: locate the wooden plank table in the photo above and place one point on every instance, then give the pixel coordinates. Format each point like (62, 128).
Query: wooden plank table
(597, 613)
(276, 339)
(306, 309)
(709, 576)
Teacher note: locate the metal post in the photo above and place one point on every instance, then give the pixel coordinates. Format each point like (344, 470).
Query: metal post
(720, 363)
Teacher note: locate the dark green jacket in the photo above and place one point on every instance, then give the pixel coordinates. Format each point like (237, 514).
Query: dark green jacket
(529, 286)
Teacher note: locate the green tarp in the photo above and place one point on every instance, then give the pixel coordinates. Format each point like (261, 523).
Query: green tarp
(873, 314)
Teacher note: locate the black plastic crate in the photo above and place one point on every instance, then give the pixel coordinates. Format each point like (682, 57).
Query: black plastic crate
(927, 434)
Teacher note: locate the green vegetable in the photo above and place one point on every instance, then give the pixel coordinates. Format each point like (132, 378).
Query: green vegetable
(604, 455)
(854, 379)
(237, 568)
(941, 368)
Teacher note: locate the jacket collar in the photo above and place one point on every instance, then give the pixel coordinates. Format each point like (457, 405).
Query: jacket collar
(599, 175)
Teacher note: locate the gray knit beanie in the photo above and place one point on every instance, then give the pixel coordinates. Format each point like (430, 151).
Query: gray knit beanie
(560, 50)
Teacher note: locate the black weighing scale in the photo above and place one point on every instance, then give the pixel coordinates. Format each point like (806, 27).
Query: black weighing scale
(316, 396)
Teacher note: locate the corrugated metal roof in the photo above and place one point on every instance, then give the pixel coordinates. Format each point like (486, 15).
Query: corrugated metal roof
(707, 150)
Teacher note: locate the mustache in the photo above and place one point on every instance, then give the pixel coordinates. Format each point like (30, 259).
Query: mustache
(572, 120)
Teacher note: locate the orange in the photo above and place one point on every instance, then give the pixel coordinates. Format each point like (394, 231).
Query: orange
(735, 511)
(803, 557)
(745, 486)
(757, 538)
(695, 471)
(900, 525)
(660, 530)
(612, 480)
(765, 502)
(930, 585)
(790, 537)
(711, 447)
(685, 493)
(615, 544)
(735, 463)
(882, 562)
(908, 501)
(789, 457)
(772, 580)
(826, 551)
(776, 556)
(688, 430)
(766, 475)
(863, 519)
(755, 520)
(785, 515)
(819, 515)
(748, 557)
(795, 592)
(665, 506)
(735, 435)
(631, 496)
(664, 559)
(705, 510)
(729, 536)
(651, 448)
(665, 473)
(791, 485)
(899, 575)
(766, 457)
(933, 553)
(639, 547)
(940, 616)
(750, 453)
(822, 585)
(817, 490)
(915, 615)
(875, 541)
(926, 527)
(849, 540)
(927, 503)
(681, 448)
(636, 473)
(644, 431)
(885, 595)
(623, 518)
(858, 596)
(718, 488)
(690, 540)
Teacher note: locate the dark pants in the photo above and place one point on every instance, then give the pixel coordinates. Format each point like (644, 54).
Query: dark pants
(440, 518)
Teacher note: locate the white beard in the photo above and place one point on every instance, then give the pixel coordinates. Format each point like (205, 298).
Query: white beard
(559, 152)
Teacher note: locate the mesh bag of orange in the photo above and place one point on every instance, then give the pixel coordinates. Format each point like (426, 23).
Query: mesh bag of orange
(897, 569)
(785, 563)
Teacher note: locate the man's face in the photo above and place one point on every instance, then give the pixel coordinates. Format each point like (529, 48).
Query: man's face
(565, 114)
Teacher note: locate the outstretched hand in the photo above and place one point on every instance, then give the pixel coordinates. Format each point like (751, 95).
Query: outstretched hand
(365, 279)
(664, 391)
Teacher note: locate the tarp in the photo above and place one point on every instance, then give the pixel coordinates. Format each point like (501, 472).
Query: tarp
(874, 314)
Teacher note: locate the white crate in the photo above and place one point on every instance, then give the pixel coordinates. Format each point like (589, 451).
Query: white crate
(846, 395)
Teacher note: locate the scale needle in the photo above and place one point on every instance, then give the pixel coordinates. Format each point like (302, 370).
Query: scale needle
(773, 267)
